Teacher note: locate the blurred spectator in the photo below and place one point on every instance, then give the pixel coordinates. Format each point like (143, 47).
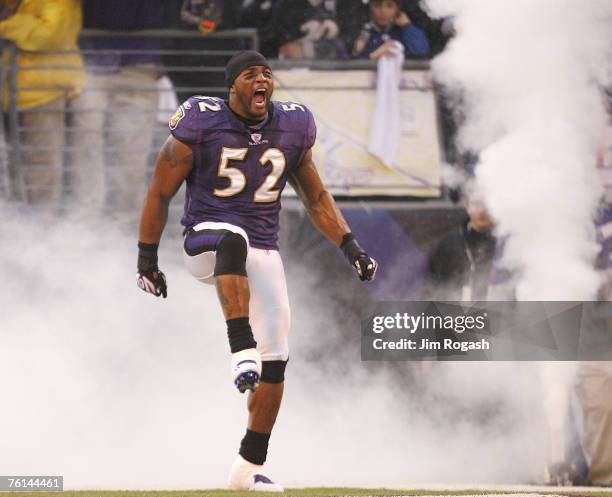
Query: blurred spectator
(460, 268)
(388, 23)
(438, 31)
(45, 88)
(593, 382)
(200, 73)
(307, 29)
(114, 117)
(351, 15)
(593, 388)
(209, 15)
(259, 14)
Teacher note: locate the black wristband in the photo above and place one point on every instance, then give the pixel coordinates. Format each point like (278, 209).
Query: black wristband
(147, 256)
(350, 247)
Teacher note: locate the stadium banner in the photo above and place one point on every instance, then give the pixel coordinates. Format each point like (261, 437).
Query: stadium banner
(343, 103)
(484, 331)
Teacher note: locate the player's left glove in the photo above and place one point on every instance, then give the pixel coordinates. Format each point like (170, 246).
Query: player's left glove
(365, 265)
(149, 278)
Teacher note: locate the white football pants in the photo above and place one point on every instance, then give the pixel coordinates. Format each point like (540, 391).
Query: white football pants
(269, 312)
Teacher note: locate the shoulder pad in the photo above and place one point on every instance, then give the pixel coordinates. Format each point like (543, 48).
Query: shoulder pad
(195, 116)
(294, 116)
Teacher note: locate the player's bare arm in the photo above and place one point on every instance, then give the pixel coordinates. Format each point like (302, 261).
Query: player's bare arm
(327, 218)
(319, 203)
(173, 165)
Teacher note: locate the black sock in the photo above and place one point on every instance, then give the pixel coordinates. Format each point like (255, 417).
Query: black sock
(254, 447)
(240, 335)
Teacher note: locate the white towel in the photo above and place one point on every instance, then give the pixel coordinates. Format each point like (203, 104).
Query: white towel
(166, 101)
(385, 130)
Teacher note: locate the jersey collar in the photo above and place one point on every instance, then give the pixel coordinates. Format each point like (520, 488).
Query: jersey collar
(250, 125)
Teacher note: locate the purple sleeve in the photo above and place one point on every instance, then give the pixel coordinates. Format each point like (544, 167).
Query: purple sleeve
(184, 123)
(311, 132)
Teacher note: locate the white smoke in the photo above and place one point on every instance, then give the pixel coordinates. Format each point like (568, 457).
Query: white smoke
(529, 73)
(113, 388)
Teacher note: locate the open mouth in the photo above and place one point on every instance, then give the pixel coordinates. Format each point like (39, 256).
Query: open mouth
(259, 98)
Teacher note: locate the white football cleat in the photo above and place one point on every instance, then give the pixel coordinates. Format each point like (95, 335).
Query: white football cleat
(245, 475)
(246, 369)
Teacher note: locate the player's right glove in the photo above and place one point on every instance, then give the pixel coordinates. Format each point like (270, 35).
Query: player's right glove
(365, 265)
(149, 278)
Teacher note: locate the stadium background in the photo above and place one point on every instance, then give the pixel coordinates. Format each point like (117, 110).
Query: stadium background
(93, 370)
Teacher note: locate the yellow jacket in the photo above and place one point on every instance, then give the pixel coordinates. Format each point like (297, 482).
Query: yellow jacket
(39, 26)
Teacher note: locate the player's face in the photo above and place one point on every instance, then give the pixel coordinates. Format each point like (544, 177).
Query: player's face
(251, 92)
(384, 12)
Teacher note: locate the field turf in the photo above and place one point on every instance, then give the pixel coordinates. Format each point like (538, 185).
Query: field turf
(302, 492)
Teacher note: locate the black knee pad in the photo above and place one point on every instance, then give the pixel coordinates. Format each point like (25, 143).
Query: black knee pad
(273, 371)
(231, 255)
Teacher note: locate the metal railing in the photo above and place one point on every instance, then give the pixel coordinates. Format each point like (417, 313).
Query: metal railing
(10, 170)
(98, 111)
(20, 156)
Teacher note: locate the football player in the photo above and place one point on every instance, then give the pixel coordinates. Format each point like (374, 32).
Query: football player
(236, 157)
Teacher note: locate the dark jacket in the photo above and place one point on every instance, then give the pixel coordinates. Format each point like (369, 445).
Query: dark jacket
(431, 27)
(260, 14)
(412, 38)
(462, 258)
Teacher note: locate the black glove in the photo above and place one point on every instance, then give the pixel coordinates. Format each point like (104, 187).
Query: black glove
(149, 278)
(358, 258)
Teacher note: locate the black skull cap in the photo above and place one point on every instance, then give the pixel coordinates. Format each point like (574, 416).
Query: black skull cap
(241, 61)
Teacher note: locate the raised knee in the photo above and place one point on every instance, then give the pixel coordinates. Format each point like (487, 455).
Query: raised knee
(231, 255)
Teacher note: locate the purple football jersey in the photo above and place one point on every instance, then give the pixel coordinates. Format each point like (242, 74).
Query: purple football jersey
(239, 172)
